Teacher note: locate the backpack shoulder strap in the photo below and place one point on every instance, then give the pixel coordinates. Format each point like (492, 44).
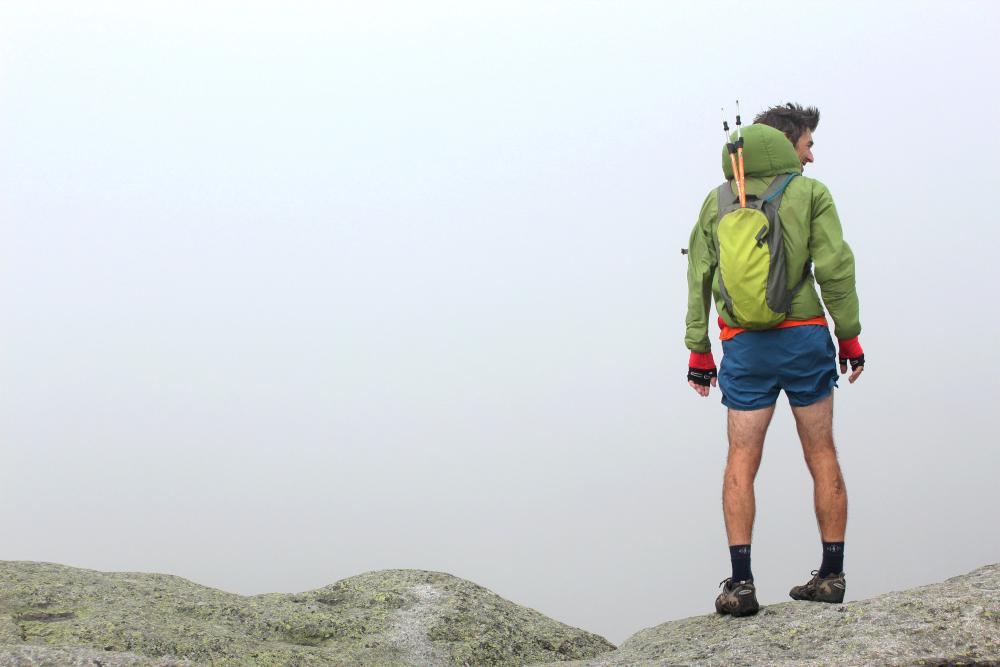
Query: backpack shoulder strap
(727, 201)
(776, 189)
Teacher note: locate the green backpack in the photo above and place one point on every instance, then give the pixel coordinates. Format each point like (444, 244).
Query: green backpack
(751, 251)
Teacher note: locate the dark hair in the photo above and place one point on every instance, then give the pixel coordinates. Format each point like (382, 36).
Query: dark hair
(792, 119)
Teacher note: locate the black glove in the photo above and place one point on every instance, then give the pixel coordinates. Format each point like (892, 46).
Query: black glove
(855, 362)
(701, 376)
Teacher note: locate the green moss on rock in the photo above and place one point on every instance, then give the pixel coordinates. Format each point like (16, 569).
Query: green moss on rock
(955, 622)
(385, 618)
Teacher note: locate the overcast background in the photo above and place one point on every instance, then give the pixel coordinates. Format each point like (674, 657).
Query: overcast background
(295, 291)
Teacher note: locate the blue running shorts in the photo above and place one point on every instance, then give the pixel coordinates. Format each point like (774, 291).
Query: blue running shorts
(757, 365)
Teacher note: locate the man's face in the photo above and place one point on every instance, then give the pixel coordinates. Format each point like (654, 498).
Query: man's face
(804, 147)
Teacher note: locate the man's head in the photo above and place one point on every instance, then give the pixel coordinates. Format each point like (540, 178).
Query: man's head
(797, 123)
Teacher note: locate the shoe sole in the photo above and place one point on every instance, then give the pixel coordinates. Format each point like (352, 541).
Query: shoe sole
(806, 599)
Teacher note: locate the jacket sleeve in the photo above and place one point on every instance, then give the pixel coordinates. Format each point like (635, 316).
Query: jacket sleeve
(833, 264)
(701, 271)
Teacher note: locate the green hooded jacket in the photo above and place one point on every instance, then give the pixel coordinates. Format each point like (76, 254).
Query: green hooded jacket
(812, 233)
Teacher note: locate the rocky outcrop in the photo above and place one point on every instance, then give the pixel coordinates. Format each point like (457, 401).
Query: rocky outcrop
(956, 622)
(62, 616)
(57, 615)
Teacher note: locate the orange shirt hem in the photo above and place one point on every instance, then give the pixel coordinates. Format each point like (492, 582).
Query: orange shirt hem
(728, 331)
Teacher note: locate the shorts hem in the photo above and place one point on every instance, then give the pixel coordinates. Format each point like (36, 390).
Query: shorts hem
(819, 397)
(733, 405)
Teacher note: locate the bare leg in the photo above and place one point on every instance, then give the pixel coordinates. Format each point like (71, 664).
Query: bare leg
(747, 429)
(815, 425)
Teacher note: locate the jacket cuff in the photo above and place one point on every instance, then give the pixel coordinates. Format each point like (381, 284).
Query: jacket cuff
(702, 361)
(850, 348)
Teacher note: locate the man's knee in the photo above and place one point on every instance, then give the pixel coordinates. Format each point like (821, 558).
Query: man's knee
(738, 481)
(825, 467)
(742, 465)
(837, 486)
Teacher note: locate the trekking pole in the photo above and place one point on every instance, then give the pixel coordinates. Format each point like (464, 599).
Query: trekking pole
(739, 151)
(732, 157)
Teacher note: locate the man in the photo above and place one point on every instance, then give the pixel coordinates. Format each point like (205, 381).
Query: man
(798, 125)
(796, 356)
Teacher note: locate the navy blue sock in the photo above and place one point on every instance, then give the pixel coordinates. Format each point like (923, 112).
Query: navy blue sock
(740, 555)
(833, 559)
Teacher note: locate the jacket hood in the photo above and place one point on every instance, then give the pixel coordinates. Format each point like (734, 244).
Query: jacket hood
(766, 152)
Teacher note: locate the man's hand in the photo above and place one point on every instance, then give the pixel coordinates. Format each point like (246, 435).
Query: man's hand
(850, 350)
(702, 389)
(701, 372)
(857, 367)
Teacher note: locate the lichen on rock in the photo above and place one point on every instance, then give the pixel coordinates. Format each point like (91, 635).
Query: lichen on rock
(54, 614)
(955, 622)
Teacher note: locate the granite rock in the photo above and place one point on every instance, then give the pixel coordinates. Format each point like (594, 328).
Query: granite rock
(59, 615)
(955, 622)
(56, 615)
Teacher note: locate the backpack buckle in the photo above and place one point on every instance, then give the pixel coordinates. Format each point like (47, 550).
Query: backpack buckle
(760, 236)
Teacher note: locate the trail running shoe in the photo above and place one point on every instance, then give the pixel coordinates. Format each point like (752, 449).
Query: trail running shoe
(828, 589)
(738, 599)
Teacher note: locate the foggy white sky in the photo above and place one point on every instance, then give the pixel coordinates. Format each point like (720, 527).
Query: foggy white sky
(291, 294)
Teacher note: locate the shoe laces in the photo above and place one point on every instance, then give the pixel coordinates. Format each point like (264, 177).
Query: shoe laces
(731, 585)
